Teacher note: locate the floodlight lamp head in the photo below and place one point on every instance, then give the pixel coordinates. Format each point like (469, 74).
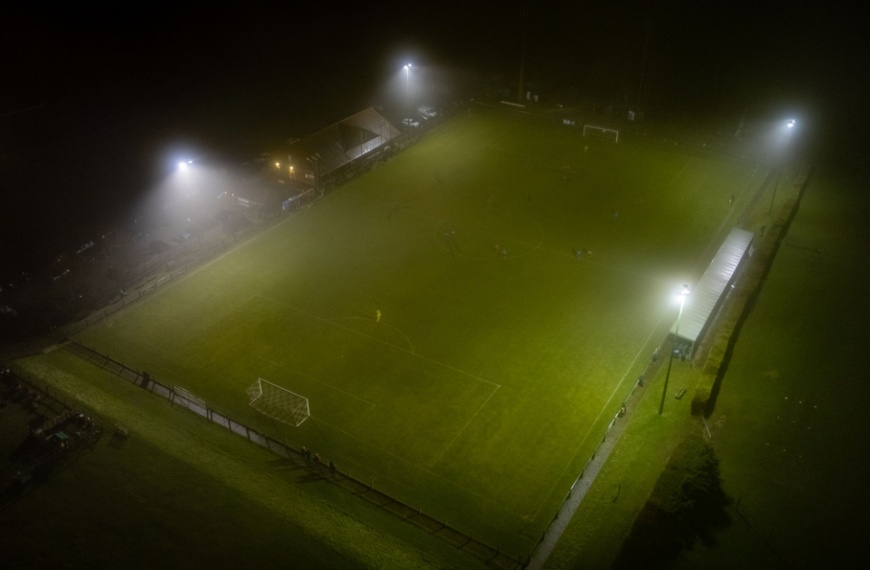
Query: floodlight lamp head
(790, 123)
(182, 166)
(684, 292)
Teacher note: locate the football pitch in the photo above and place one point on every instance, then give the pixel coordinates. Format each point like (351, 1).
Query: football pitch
(464, 320)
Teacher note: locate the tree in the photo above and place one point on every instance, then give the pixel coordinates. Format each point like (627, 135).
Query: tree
(687, 504)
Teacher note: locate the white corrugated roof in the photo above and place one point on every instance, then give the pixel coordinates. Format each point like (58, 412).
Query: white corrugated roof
(704, 296)
(338, 144)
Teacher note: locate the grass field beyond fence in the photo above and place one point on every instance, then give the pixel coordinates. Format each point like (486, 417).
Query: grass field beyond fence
(455, 349)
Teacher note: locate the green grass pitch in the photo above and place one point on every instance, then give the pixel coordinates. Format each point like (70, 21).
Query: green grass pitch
(498, 358)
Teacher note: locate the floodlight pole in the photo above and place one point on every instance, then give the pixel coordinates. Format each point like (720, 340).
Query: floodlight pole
(789, 125)
(775, 186)
(671, 359)
(408, 91)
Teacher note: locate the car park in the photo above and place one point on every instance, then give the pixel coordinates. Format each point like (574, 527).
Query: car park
(427, 111)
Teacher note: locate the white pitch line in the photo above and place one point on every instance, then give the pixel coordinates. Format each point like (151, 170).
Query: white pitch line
(751, 177)
(395, 328)
(603, 408)
(624, 376)
(468, 423)
(318, 381)
(716, 236)
(397, 347)
(685, 166)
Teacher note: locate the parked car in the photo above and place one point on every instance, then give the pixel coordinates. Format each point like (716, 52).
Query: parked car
(409, 122)
(85, 246)
(427, 112)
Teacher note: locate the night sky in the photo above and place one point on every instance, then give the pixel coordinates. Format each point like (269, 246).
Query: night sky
(94, 103)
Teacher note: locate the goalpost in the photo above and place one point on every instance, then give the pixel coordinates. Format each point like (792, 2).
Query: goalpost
(278, 403)
(601, 132)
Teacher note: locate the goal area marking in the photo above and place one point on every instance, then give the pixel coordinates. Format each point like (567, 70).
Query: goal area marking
(601, 132)
(278, 403)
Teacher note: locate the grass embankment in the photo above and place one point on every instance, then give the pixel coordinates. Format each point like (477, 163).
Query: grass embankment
(180, 493)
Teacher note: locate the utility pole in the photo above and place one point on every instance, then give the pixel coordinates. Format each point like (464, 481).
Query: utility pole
(522, 58)
(643, 65)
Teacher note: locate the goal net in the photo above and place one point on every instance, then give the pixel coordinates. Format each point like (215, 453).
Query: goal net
(278, 403)
(601, 132)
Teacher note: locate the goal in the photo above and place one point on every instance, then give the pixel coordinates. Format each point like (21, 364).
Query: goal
(278, 403)
(601, 132)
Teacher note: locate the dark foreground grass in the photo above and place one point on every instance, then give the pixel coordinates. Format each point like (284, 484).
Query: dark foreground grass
(486, 383)
(180, 493)
(790, 421)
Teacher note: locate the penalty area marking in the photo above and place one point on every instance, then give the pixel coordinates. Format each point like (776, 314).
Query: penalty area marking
(319, 381)
(685, 166)
(464, 427)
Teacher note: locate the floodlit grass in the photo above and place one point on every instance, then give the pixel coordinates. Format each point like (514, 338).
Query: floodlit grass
(489, 378)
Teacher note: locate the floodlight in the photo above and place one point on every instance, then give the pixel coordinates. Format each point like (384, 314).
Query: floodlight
(408, 89)
(681, 297)
(684, 292)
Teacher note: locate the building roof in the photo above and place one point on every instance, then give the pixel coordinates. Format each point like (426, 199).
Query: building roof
(336, 145)
(704, 298)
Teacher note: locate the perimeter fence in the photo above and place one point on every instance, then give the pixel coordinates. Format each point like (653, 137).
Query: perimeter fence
(464, 540)
(492, 556)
